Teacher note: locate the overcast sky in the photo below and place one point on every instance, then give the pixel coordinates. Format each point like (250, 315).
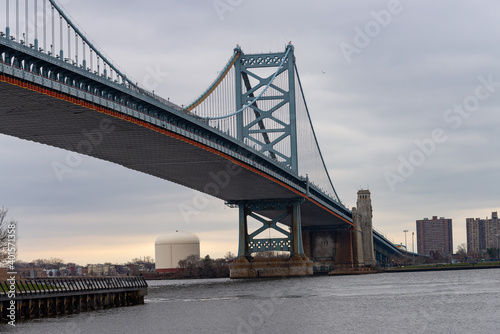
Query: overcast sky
(404, 97)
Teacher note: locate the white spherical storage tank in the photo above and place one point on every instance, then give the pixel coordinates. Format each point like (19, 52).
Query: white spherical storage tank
(170, 248)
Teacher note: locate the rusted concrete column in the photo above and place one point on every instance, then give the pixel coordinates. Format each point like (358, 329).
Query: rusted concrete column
(344, 253)
(365, 214)
(306, 243)
(243, 251)
(298, 249)
(357, 238)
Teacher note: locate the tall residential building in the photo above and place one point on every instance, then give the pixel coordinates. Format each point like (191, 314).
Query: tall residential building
(476, 235)
(483, 233)
(435, 235)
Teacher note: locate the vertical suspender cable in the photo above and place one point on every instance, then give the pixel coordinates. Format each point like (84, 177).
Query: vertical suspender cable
(35, 13)
(27, 19)
(17, 20)
(61, 54)
(69, 42)
(224, 101)
(45, 25)
(76, 49)
(7, 18)
(218, 102)
(52, 46)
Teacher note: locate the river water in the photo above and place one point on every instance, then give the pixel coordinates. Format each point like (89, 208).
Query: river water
(426, 302)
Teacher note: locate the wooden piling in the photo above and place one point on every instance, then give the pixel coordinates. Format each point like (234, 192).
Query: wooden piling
(33, 299)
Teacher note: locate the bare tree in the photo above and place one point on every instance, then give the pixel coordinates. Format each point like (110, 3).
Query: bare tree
(4, 235)
(462, 252)
(195, 267)
(462, 248)
(55, 262)
(40, 263)
(229, 256)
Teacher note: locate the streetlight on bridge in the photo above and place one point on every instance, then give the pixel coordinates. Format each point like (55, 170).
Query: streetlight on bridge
(406, 245)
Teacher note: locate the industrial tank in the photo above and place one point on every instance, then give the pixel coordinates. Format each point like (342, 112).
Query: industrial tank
(170, 248)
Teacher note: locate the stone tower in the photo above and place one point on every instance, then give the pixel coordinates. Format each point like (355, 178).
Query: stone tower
(362, 216)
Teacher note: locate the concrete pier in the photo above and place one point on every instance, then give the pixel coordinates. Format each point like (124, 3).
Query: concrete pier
(314, 248)
(248, 266)
(255, 268)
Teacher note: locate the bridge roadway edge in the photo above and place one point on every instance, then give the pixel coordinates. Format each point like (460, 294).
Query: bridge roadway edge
(4, 79)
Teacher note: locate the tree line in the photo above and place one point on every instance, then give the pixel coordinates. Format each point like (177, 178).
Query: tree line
(196, 267)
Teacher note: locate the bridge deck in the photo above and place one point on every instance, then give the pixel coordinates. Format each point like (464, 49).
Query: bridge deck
(63, 121)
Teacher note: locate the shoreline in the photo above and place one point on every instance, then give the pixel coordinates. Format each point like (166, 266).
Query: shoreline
(440, 268)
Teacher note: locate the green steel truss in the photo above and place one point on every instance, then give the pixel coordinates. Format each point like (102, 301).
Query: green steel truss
(257, 130)
(248, 243)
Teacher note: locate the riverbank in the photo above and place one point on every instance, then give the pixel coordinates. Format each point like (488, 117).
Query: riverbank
(455, 302)
(446, 267)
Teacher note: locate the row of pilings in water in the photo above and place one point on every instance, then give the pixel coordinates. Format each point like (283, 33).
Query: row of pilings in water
(32, 299)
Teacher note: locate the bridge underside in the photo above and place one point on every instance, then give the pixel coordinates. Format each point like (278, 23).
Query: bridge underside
(78, 126)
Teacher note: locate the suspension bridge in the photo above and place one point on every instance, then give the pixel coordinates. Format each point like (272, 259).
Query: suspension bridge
(248, 139)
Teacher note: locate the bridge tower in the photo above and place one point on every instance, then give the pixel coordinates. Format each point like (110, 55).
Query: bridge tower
(271, 122)
(363, 228)
(269, 126)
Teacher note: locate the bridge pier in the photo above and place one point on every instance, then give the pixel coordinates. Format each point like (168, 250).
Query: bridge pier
(330, 247)
(343, 247)
(248, 266)
(313, 248)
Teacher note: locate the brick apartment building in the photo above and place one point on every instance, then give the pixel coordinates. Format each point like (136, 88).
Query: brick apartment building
(435, 235)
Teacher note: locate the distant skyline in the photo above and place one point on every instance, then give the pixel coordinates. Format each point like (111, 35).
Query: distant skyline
(404, 97)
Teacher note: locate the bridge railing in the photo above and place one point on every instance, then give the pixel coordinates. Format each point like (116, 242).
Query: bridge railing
(33, 287)
(384, 235)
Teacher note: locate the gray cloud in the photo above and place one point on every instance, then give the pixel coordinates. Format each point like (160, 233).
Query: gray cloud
(367, 113)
